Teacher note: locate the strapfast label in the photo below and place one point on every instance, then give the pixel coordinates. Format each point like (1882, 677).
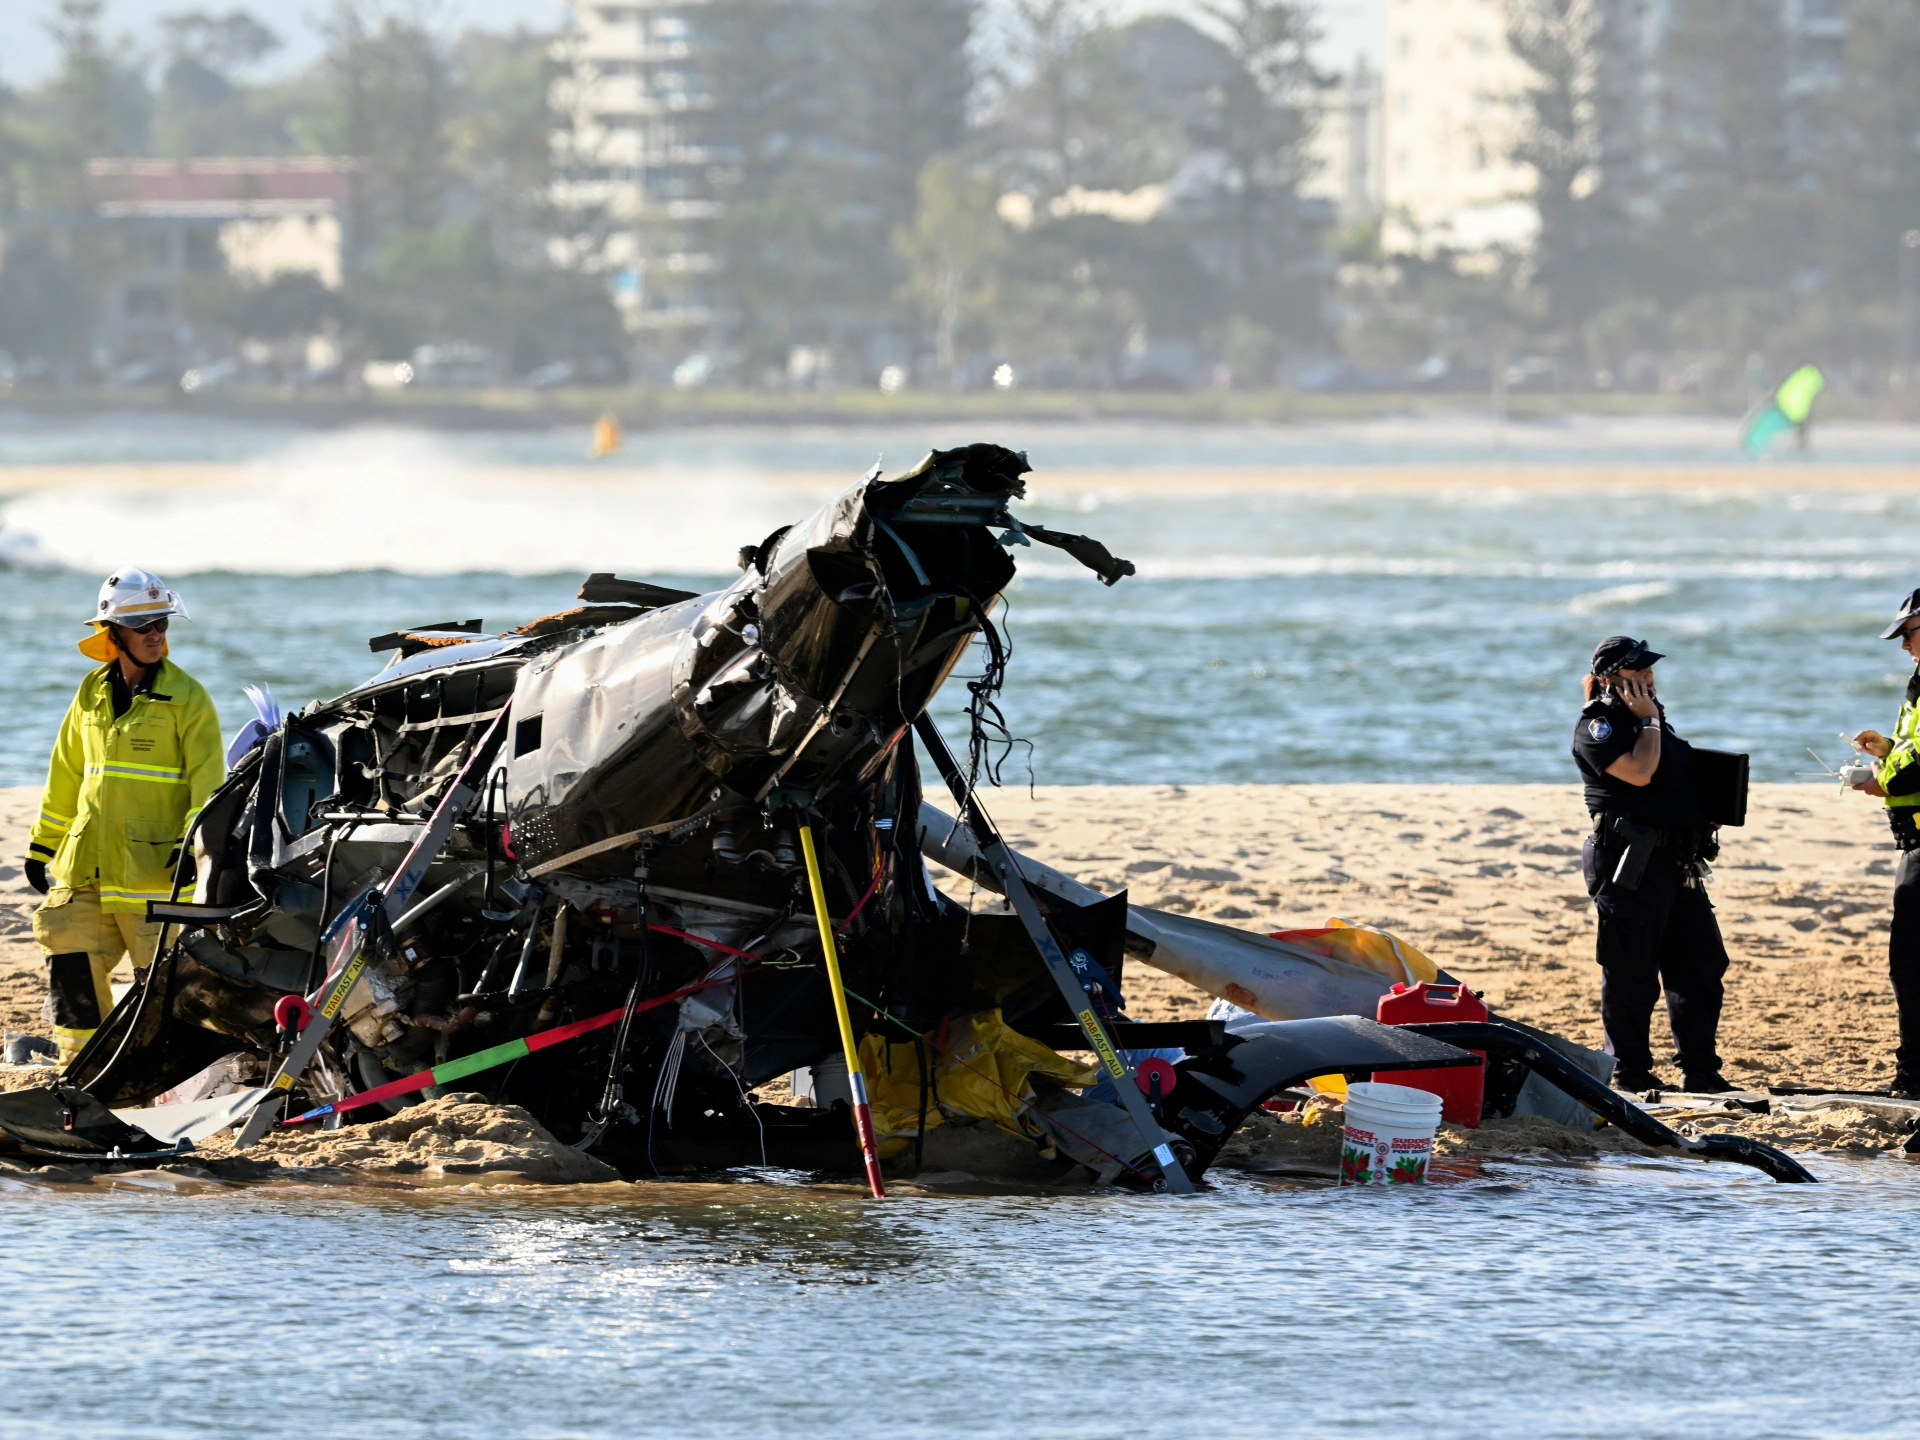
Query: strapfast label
(348, 977)
(1099, 1038)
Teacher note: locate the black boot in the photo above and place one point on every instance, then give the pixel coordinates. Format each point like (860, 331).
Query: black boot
(1638, 1082)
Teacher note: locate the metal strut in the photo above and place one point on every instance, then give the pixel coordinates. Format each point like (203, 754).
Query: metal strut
(384, 905)
(613, 1098)
(1014, 885)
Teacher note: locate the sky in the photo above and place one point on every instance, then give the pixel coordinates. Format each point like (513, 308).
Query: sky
(1349, 27)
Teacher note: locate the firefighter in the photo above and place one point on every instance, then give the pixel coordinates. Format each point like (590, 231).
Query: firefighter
(137, 756)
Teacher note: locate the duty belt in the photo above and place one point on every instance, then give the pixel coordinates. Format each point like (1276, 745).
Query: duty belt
(1906, 835)
(1639, 842)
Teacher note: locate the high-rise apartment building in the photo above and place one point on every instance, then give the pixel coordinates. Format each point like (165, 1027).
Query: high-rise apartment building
(1448, 127)
(1345, 150)
(634, 170)
(1454, 108)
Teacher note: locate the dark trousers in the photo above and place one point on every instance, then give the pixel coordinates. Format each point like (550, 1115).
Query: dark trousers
(1903, 961)
(1664, 932)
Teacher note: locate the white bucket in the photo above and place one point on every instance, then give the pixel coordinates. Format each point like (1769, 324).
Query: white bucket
(1389, 1134)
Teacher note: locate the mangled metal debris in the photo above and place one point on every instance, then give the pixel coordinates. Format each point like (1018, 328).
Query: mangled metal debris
(566, 866)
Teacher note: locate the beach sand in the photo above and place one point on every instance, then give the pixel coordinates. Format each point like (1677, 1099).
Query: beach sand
(1486, 880)
(1483, 878)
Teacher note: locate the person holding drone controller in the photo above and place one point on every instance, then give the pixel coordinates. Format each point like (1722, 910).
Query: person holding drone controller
(1895, 778)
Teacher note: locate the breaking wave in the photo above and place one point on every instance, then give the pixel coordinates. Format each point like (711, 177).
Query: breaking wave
(399, 501)
(413, 503)
(1620, 595)
(1650, 573)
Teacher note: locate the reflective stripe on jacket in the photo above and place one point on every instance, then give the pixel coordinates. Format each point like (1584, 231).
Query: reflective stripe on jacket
(122, 791)
(1906, 737)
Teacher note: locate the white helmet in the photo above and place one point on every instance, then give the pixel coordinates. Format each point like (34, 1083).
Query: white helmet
(133, 597)
(130, 597)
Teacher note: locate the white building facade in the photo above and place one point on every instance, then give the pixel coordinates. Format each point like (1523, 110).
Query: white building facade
(1347, 145)
(1454, 107)
(635, 178)
(1450, 119)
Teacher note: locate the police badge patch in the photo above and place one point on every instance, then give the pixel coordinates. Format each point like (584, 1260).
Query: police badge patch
(1599, 727)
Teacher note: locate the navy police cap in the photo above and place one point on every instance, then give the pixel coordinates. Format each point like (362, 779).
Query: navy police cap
(1622, 652)
(1909, 608)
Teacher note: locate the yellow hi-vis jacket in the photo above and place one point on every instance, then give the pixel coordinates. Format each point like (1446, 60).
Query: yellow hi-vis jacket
(121, 792)
(1906, 747)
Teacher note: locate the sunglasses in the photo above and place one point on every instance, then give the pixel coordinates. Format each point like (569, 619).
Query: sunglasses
(152, 627)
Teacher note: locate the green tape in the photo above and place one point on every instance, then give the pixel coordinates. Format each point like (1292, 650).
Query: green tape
(479, 1060)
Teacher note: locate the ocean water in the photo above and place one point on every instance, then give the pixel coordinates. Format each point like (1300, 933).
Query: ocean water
(1512, 1301)
(1273, 634)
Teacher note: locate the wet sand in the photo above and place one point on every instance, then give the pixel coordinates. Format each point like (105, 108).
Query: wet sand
(1484, 878)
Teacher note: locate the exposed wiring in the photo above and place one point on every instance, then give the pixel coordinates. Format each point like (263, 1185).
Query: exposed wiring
(739, 1085)
(987, 728)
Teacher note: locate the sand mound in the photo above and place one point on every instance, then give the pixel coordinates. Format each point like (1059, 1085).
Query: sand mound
(458, 1136)
(1839, 1129)
(1308, 1142)
(1300, 1142)
(25, 1077)
(1530, 1135)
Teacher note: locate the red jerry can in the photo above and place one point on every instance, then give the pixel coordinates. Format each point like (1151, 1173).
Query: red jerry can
(1460, 1089)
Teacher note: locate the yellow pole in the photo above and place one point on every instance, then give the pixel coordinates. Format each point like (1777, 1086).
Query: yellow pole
(856, 1078)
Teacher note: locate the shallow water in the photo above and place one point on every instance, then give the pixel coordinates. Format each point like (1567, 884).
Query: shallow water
(1528, 1300)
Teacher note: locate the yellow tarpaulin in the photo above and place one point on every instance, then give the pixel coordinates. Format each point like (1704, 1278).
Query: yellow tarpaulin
(972, 1069)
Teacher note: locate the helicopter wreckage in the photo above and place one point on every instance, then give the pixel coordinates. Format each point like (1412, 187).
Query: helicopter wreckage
(630, 861)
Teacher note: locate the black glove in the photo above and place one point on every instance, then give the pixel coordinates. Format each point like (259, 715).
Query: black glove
(186, 874)
(37, 874)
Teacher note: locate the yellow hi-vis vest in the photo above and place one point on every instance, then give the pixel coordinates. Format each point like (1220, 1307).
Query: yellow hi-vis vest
(1905, 751)
(121, 792)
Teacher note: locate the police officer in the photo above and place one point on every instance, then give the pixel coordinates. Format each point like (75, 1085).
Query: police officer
(1645, 862)
(137, 756)
(1896, 779)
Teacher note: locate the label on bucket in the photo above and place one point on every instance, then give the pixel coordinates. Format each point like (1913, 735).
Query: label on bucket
(1407, 1158)
(1356, 1156)
(1379, 1157)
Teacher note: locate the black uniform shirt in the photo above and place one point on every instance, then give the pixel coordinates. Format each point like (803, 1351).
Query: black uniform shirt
(123, 693)
(1607, 730)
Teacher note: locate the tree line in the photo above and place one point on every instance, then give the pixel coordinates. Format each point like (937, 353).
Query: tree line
(450, 135)
(1042, 188)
